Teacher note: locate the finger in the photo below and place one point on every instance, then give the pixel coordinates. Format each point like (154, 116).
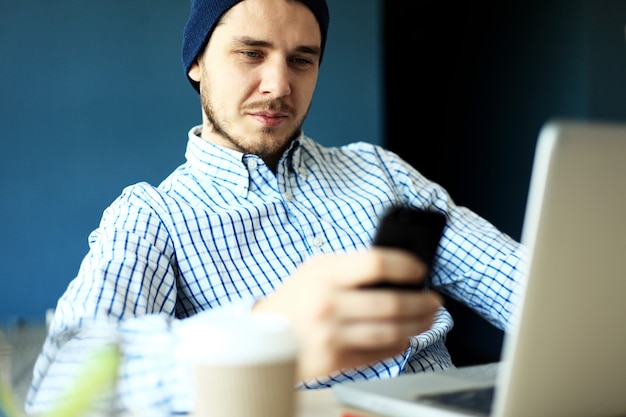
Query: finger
(321, 365)
(374, 266)
(373, 305)
(380, 336)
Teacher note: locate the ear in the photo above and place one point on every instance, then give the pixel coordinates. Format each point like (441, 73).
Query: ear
(194, 71)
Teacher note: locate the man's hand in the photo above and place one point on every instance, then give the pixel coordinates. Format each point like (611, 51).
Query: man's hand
(339, 323)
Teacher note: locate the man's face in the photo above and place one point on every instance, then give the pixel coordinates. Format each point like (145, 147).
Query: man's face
(257, 76)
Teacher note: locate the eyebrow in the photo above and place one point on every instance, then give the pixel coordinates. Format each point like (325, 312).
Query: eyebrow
(248, 41)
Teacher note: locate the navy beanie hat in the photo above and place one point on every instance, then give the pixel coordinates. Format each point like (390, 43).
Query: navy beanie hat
(205, 14)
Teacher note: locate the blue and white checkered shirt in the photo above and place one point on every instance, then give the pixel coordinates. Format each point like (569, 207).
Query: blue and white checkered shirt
(222, 231)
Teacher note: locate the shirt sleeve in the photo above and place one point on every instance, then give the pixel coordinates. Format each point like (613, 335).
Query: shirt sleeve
(125, 293)
(476, 263)
(481, 267)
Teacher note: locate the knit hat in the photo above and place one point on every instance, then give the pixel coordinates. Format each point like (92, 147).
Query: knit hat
(205, 14)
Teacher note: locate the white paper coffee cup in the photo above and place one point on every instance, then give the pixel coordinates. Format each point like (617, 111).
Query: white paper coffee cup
(242, 366)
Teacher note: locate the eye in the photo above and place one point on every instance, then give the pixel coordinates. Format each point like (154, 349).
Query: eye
(251, 54)
(301, 62)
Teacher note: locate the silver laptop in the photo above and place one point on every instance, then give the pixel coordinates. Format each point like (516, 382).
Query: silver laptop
(567, 354)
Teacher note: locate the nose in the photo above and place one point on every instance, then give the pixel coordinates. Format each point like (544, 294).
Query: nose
(275, 81)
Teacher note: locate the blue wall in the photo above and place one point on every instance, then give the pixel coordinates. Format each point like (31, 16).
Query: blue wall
(93, 98)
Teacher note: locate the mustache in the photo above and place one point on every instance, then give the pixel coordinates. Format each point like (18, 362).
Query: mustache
(269, 105)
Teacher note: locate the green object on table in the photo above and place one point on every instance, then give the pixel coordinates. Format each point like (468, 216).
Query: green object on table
(98, 375)
(7, 401)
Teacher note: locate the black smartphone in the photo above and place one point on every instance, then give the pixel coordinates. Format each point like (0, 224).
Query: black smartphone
(416, 230)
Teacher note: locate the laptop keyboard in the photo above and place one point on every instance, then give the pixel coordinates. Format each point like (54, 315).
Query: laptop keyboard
(475, 400)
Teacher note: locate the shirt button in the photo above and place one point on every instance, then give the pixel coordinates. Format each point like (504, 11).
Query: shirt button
(252, 164)
(288, 197)
(318, 242)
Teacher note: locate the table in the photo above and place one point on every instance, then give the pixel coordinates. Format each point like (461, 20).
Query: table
(322, 403)
(20, 343)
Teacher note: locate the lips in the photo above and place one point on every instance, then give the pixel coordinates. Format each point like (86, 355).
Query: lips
(270, 113)
(269, 119)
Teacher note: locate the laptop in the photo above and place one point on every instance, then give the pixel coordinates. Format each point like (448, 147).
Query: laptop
(566, 355)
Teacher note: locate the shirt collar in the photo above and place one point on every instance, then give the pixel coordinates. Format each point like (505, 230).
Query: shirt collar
(227, 165)
(216, 162)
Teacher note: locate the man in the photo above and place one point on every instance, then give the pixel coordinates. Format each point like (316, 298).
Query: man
(263, 219)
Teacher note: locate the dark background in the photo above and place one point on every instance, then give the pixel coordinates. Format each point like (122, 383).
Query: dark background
(468, 87)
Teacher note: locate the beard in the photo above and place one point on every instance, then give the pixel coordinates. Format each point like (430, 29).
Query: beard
(269, 147)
